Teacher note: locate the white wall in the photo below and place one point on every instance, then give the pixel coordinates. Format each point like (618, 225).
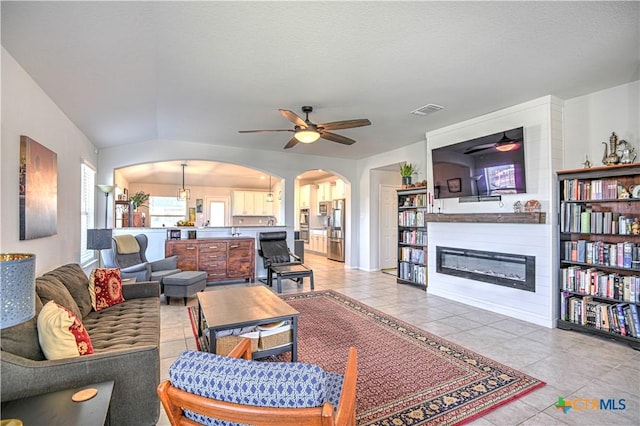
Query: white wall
(541, 119)
(590, 119)
(367, 227)
(27, 110)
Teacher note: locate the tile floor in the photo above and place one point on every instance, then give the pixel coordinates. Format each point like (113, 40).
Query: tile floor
(574, 365)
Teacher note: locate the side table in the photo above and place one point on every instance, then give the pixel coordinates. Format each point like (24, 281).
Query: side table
(57, 408)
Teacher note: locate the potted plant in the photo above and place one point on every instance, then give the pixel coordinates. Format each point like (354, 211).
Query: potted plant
(138, 199)
(406, 171)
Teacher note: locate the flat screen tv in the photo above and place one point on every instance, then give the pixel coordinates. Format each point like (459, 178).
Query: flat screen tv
(486, 166)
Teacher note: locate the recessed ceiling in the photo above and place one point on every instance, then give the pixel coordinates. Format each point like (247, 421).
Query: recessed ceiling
(127, 72)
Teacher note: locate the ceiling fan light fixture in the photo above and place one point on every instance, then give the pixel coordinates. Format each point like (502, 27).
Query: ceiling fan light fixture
(307, 136)
(507, 147)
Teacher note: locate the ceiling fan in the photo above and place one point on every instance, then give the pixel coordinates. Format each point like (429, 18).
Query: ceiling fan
(307, 132)
(504, 144)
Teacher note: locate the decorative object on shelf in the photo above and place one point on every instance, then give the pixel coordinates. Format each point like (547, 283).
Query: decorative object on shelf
(623, 193)
(406, 171)
(611, 158)
(627, 150)
(138, 199)
(635, 227)
(18, 289)
(183, 193)
(532, 206)
(38, 189)
(635, 191)
(517, 207)
(99, 239)
(587, 163)
(454, 185)
(199, 205)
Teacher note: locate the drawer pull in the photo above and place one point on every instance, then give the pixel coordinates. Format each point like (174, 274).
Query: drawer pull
(213, 256)
(236, 246)
(191, 248)
(213, 247)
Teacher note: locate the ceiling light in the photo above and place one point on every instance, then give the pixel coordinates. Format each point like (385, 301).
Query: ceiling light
(507, 147)
(183, 193)
(307, 136)
(269, 194)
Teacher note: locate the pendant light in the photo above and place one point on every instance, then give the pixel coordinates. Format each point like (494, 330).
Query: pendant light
(269, 194)
(183, 193)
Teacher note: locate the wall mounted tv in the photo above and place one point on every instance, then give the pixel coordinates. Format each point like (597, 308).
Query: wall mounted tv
(486, 166)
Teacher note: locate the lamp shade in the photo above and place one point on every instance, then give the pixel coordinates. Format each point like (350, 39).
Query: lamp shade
(17, 288)
(99, 239)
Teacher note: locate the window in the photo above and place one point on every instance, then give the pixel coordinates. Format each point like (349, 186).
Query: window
(87, 210)
(217, 213)
(166, 211)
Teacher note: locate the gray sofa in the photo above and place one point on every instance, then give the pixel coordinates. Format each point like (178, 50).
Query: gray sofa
(125, 338)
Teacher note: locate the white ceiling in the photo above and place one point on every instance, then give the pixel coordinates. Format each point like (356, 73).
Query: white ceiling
(128, 72)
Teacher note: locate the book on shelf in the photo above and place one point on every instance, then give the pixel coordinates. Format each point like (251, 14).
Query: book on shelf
(622, 326)
(635, 318)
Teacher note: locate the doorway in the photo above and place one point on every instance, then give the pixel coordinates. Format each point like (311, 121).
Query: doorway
(388, 229)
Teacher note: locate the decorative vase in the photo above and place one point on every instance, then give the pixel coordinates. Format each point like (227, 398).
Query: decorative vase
(406, 180)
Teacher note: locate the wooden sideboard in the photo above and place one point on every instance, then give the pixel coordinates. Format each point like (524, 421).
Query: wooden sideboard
(223, 259)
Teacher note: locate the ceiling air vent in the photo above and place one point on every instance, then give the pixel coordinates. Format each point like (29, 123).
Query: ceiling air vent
(427, 109)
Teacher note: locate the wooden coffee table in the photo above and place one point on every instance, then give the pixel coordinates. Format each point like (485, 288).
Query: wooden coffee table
(243, 307)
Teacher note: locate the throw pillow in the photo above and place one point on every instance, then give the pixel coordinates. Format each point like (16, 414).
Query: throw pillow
(105, 288)
(61, 333)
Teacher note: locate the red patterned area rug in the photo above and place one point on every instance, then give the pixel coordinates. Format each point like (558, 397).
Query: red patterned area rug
(406, 376)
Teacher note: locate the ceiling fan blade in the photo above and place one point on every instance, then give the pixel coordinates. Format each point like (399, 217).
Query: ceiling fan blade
(293, 117)
(345, 124)
(337, 138)
(257, 131)
(293, 142)
(480, 148)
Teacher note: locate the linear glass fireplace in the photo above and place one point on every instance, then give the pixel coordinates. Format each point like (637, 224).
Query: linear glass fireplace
(505, 269)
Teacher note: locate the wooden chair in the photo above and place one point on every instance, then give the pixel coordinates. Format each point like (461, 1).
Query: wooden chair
(175, 401)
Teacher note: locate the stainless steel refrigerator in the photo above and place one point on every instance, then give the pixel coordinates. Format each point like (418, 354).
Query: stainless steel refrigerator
(336, 232)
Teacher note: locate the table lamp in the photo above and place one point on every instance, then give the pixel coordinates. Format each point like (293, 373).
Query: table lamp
(17, 288)
(99, 239)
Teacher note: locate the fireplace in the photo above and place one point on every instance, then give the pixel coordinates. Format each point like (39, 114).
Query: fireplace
(505, 269)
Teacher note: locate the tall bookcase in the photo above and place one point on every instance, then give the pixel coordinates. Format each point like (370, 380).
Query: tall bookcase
(599, 248)
(412, 237)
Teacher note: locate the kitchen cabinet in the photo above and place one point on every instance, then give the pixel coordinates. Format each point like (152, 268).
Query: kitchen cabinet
(324, 192)
(305, 196)
(251, 203)
(222, 259)
(318, 241)
(338, 190)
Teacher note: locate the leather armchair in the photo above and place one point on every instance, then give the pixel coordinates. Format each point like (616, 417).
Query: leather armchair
(272, 247)
(136, 265)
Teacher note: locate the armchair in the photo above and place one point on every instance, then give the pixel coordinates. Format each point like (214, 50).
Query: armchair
(273, 249)
(128, 253)
(211, 389)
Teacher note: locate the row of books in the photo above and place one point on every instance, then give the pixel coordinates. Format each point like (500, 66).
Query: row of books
(414, 237)
(413, 255)
(619, 318)
(411, 218)
(581, 218)
(620, 255)
(417, 200)
(591, 281)
(599, 189)
(412, 272)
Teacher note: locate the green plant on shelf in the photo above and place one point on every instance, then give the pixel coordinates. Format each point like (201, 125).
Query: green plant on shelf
(138, 199)
(406, 169)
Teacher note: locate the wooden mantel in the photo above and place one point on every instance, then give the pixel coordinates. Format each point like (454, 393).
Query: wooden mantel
(522, 218)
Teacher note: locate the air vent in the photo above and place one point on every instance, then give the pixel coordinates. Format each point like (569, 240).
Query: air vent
(427, 109)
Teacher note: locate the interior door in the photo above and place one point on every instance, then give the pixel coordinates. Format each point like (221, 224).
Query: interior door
(388, 231)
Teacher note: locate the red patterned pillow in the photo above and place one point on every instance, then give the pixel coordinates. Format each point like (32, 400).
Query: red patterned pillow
(105, 288)
(61, 333)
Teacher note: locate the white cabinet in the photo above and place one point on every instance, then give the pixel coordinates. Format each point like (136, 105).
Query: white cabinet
(338, 190)
(305, 195)
(251, 203)
(318, 241)
(324, 192)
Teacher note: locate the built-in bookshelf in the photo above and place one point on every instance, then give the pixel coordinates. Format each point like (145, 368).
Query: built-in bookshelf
(412, 236)
(599, 247)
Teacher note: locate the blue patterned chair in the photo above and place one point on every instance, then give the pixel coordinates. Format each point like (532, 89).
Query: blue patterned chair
(210, 389)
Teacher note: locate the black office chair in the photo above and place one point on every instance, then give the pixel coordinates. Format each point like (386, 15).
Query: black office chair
(274, 252)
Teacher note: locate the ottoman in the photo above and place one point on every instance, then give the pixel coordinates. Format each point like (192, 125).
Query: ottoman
(184, 284)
